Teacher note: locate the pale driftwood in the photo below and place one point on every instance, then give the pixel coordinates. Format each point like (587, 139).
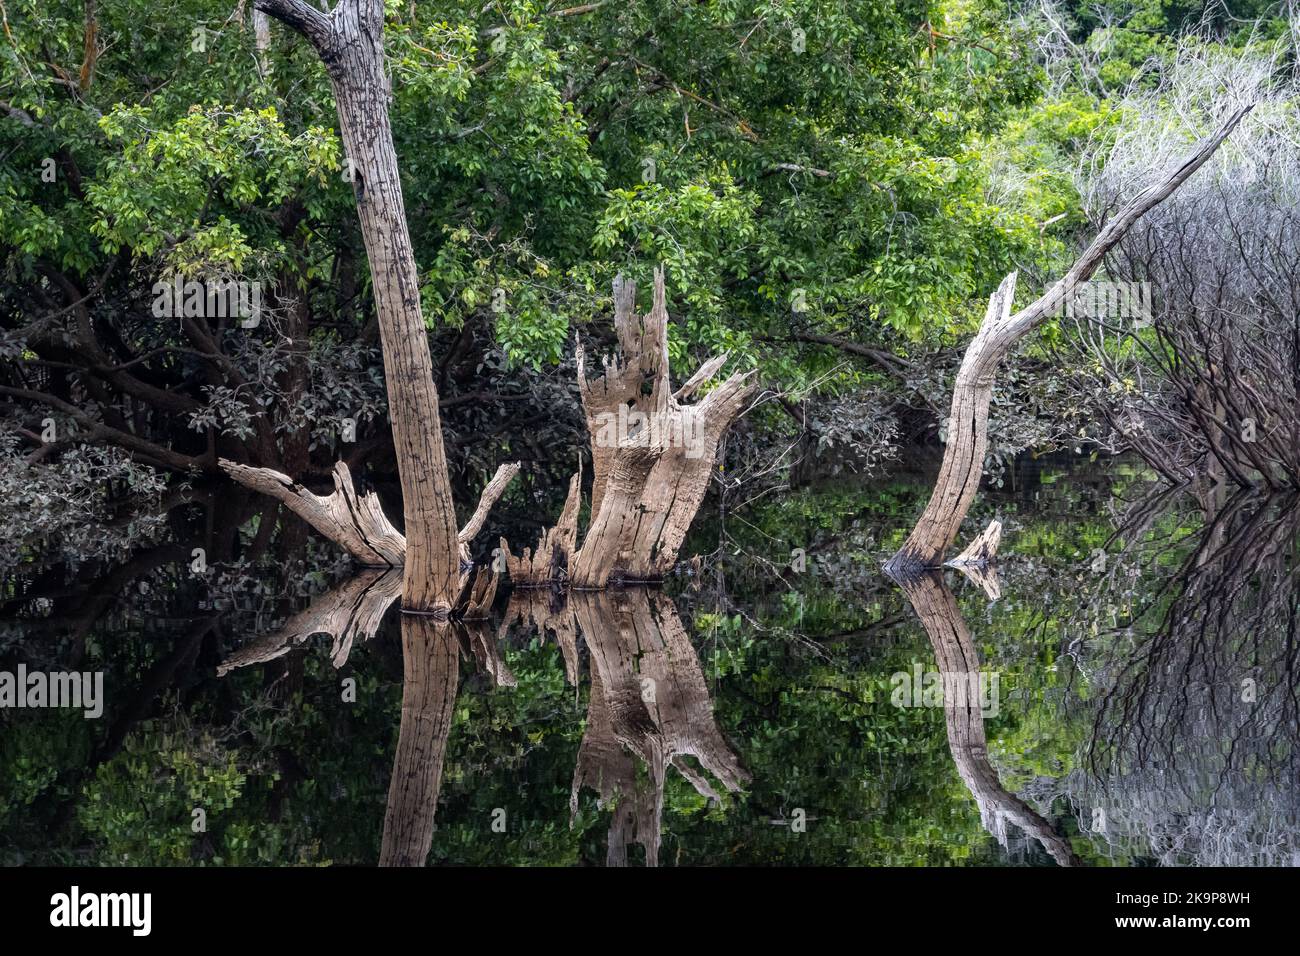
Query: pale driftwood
(652, 457)
(353, 609)
(477, 604)
(649, 704)
(954, 654)
(552, 560)
(357, 522)
(984, 576)
(983, 550)
(350, 43)
(967, 442)
(354, 522)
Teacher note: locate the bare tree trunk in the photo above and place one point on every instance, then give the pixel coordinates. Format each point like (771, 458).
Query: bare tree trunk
(963, 457)
(350, 42)
(652, 457)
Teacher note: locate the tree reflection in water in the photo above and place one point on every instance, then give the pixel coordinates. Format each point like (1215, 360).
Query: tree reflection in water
(1195, 748)
(1191, 700)
(955, 655)
(649, 708)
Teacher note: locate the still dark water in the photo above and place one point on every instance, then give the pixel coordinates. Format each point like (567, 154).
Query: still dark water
(1123, 691)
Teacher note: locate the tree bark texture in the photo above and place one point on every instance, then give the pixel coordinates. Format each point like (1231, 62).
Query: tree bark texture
(967, 439)
(652, 457)
(350, 42)
(358, 525)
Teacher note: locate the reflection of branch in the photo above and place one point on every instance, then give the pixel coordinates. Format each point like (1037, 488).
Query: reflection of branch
(355, 607)
(954, 653)
(1232, 620)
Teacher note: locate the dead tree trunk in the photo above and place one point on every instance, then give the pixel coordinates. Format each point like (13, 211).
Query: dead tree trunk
(350, 42)
(652, 457)
(963, 457)
(358, 525)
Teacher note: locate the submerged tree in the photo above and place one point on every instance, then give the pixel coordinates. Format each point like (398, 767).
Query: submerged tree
(652, 458)
(350, 42)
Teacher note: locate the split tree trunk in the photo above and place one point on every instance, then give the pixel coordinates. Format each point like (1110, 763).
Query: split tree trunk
(350, 42)
(652, 458)
(963, 456)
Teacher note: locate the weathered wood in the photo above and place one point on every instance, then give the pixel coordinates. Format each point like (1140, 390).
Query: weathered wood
(551, 561)
(354, 522)
(978, 561)
(478, 602)
(963, 458)
(983, 551)
(649, 704)
(350, 42)
(357, 522)
(492, 491)
(652, 457)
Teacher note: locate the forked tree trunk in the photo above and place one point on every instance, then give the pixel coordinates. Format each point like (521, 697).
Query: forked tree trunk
(652, 457)
(967, 442)
(350, 42)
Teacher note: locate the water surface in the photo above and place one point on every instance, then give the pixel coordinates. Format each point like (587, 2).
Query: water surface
(1122, 690)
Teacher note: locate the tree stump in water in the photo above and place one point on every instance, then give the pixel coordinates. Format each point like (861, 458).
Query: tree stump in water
(652, 458)
(963, 456)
